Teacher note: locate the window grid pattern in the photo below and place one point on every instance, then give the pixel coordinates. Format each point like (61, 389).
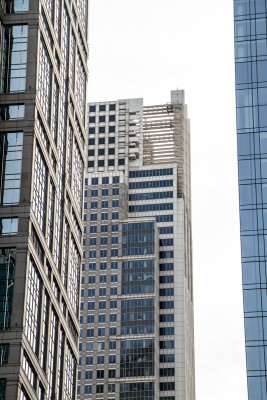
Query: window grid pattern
(65, 260)
(137, 358)
(11, 154)
(82, 12)
(33, 306)
(55, 111)
(50, 221)
(74, 268)
(14, 58)
(44, 80)
(7, 265)
(251, 113)
(39, 188)
(44, 334)
(80, 85)
(69, 379)
(137, 391)
(77, 176)
(51, 365)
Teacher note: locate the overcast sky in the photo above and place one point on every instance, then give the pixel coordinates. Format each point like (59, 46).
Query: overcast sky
(145, 48)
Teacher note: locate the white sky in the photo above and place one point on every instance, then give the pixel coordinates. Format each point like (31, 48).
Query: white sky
(145, 48)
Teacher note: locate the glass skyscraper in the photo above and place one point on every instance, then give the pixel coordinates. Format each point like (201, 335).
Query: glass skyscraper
(43, 67)
(251, 102)
(136, 310)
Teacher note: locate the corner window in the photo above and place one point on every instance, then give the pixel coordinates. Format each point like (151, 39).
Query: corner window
(11, 112)
(9, 226)
(17, 6)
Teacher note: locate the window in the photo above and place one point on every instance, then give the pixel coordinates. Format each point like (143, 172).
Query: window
(10, 176)
(166, 254)
(93, 217)
(93, 229)
(102, 305)
(104, 228)
(90, 164)
(111, 129)
(112, 345)
(88, 389)
(103, 253)
(121, 161)
(91, 153)
(100, 374)
(4, 351)
(103, 240)
(166, 344)
(92, 109)
(100, 346)
(105, 180)
(104, 192)
(169, 330)
(166, 267)
(113, 304)
(113, 317)
(114, 228)
(102, 318)
(104, 204)
(91, 142)
(8, 226)
(166, 372)
(112, 118)
(94, 181)
(115, 203)
(101, 141)
(101, 331)
(111, 163)
(90, 333)
(163, 305)
(91, 130)
(104, 216)
(102, 118)
(112, 331)
(94, 193)
(113, 291)
(92, 253)
(92, 267)
(115, 191)
(103, 266)
(91, 292)
(114, 240)
(100, 359)
(101, 152)
(111, 152)
(114, 265)
(163, 386)
(89, 346)
(89, 360)
(114, 252)
(88, 374)
(111, 388)
(101, 163)
(10, 112)
(112, 359)
(114, 278)
(166, 318)
(102, 292)
(90, 319)
(166, 279)
(163, 358)
(92, 241)
(15, 60)
(99, 388)
(111, 140)
(166, 292)
(102, 278)
(91, 305)
(112, 373)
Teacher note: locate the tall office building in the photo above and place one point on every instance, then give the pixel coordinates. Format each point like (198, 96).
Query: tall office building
(251, 101)
(136, 308)
(42, 137)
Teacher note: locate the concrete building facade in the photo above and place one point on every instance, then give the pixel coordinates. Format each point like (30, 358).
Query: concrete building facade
(136, 310)
(42, 138)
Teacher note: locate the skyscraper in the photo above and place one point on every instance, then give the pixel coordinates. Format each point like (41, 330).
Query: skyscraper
(251, 102)
(42, 137)
(137, 338)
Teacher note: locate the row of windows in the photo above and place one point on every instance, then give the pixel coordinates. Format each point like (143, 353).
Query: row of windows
(102, 118)
(105, 253)
(101, 152)
(103, 240)
(88, 389)
(165, 230)
(102, 107)
(105, 180)
(104, 216)
(90, 319)
(104, 204)
(89, 346)
(101, 163)
(100, 332)
(151, 172)
(102, 266)
(101, 129)
(150, 184)
(102, 305)
(104, 192)
(150, 196)
(111, 140)
(151, 207)
(101, 293)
